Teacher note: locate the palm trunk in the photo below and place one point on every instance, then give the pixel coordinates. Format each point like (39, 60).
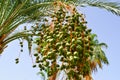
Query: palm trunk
(2, 47)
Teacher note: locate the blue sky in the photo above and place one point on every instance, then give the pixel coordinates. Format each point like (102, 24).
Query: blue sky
(104, 24)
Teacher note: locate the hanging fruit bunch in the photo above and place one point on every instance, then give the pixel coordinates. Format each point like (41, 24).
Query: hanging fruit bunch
(66, 44)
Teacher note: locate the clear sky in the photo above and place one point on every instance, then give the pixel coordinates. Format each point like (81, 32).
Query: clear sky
(104, 24)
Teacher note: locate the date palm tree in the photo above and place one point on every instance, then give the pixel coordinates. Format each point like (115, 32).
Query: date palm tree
(16, 12)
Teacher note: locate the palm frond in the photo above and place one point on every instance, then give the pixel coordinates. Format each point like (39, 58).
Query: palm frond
(15, 36)
(103, 45)
(14, 15)
(41, 6)
(24, 35)
(113, 7)
(37, 10)
(100, 56)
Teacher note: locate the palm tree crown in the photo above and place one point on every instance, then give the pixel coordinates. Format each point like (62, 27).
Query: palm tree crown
(16, 12)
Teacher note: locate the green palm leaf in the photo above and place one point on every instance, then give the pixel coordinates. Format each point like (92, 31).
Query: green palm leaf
(113, 7)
